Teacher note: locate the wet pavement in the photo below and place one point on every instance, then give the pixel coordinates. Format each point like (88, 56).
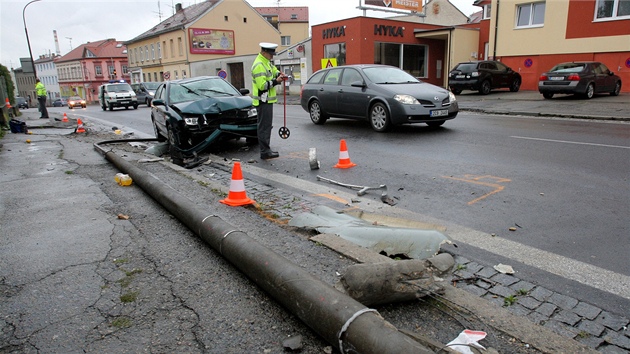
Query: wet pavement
(78, 275)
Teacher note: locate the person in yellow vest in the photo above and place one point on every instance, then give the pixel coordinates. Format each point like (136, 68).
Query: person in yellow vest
(265, 77)
(40, 89)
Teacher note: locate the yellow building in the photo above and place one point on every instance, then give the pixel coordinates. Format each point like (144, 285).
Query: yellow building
(214, 37)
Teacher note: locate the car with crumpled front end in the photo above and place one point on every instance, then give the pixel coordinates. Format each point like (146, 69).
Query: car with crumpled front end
(187, 112)
(383, 95)
(584, 78)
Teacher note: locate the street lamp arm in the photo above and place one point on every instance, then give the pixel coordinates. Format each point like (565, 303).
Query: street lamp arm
(30, 52)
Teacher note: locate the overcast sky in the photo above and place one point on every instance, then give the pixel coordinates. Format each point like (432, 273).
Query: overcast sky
(81, 21)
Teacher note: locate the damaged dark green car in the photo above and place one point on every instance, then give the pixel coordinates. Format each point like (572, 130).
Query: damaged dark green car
(191, 114)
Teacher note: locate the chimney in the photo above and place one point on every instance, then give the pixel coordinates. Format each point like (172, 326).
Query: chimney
(178, 7)
(56, 42)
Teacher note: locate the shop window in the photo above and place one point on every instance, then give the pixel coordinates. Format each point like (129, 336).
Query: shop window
(337, 51)
(409, 57)
(612, 9)
(530, 15)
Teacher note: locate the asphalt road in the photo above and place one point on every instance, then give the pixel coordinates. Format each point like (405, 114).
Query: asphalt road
(562, 183)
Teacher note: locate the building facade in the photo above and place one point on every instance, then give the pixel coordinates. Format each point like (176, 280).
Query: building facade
(90, 65)
(47, 74)
(531, 37)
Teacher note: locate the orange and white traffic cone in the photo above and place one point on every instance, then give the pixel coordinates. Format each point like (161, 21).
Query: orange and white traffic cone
(65, 118)
(344, 157)
(7, 103)
(80, 128)
(237, 195)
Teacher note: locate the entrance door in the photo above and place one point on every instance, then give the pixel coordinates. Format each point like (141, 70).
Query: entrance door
(237, 77)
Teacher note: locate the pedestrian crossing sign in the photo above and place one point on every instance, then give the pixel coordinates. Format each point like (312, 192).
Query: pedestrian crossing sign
(329, 62)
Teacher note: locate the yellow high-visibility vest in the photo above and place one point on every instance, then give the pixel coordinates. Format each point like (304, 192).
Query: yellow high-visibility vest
(264, 75)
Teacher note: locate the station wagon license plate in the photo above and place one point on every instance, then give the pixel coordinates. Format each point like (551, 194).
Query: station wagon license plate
(556, 78)
(124, 102)
(438, 113)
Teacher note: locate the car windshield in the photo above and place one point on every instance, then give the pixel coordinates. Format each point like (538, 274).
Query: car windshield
(388, 75)
(152, 85)
(119, 88)
(466, 67)
(568, 68)
(195, 90)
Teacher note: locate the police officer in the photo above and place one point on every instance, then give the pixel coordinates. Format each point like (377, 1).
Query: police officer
(265, 77)
(40, 89)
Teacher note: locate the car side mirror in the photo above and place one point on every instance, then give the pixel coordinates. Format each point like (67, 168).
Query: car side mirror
(610, 73)
(244, 91)
(357, 84)
(157, 102)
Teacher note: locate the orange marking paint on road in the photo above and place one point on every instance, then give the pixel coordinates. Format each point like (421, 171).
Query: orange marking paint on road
(332, 197)
(478, 180)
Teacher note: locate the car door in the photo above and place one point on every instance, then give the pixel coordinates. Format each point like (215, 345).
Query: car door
(503, 74)
(159, 112)
(604, 81)
(329, 93)
(353, 100)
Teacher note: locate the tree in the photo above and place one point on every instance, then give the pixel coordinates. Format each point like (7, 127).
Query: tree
(6, 90)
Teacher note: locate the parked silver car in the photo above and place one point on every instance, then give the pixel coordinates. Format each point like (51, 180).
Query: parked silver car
(384, 95)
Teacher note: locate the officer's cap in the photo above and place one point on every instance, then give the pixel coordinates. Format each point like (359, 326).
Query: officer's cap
(269, 47)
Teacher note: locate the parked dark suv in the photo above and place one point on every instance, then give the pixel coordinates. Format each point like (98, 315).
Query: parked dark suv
(483, 76)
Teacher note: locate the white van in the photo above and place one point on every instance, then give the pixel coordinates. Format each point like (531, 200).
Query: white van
(117, 94)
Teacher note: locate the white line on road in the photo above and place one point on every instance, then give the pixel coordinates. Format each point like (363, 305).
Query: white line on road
(571, 142)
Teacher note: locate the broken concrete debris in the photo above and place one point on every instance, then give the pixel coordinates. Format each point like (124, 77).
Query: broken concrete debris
(412, 243)
(388, 282)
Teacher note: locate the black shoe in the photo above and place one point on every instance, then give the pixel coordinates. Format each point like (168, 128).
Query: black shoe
(269, 155)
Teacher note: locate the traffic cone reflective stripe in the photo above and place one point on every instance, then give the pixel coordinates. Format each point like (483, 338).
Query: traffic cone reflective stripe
(80, 128)
(344, 157)
(65, 118)
(237, 195)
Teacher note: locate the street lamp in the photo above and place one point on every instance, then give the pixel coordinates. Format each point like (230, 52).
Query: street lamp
(27, 40)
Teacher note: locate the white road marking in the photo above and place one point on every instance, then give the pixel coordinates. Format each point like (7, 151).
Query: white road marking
(571, 142)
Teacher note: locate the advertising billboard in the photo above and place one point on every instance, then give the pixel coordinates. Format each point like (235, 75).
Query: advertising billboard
(410, 5)
(211, 41)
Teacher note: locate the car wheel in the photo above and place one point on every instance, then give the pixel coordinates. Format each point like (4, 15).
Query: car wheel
(379, 118)
(111, 106)
(315, 111)
(590, 91)
(617, 89)
(103, 107)
(437, 123)
(176, 155)
(485, 88)
(456, 91)
(71, 107)
(548, 95)
(156, 131)
(516, 85)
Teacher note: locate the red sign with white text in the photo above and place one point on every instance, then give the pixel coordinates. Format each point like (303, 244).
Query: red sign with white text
(411, 5)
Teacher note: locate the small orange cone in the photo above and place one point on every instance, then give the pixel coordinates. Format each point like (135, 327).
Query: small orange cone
(344, 157)
(7, 103)
(65, 118)
(237, 195)
(79, 126)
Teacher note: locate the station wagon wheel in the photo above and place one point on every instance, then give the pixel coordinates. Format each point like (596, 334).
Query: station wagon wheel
(516, 85)
(485, 87)
(590, 91)
(548, 95)
(617, 89)
(176, 154)
(315, 111)
(379, 117)
(456, 91)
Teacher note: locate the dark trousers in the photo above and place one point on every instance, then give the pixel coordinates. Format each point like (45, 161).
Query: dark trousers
(42, 106)
(265, 123)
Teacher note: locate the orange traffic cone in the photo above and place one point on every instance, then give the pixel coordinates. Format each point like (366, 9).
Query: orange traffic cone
(237, 195)
(79, 126)
(65, 118)
(7, 103)
(344, 157)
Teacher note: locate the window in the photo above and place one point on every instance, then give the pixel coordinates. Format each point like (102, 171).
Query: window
(337, 51)
(99, 70)
(530, 15)
(487, 12)
(333, 77)
(155, 76)
(612, 9)
(409, 57)
(146, 52)
(350, 76)
(159, 48)
(172, 49)
(152, 52)
(164, 46)
(225, 18)
(294, 16)
(125, 70)
(285, 40)
(180, 46)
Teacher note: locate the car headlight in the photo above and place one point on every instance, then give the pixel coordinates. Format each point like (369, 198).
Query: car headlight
(406, 99)
(191, 121)
(451, 97)
(252, 112)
